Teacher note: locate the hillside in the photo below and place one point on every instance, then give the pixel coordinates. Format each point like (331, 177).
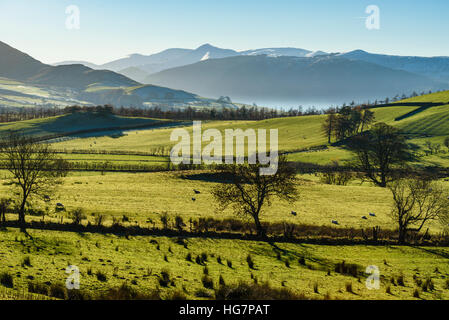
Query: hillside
(80, 121)
(433, 67)
(25, 81)
(292, 80)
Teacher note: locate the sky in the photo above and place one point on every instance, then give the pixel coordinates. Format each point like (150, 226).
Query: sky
(113, 29)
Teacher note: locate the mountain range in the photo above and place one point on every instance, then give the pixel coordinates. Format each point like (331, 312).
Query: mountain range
(268, 76)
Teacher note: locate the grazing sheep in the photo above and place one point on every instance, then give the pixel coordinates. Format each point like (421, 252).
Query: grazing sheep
(294, 213)
(196, 191)
(47, 198)
(372, 214)
(364, 218)
(193, 199)
(60, 205)
(335, 222)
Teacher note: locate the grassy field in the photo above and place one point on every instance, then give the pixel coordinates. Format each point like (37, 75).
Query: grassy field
(146, 196)
(139, 262)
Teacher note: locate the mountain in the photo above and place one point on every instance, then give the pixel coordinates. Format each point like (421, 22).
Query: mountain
(16, 64)
(277, 52)
(168, 59)
(134, 73)
(434, 67)
(84, 63)
(28, 82)
(292, 80)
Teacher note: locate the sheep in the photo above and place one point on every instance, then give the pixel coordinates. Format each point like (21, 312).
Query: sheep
(372, 214)
(335, 222)
(294, 213)
(193, 199)
(364, 218)
(197, 192)
(47, 198)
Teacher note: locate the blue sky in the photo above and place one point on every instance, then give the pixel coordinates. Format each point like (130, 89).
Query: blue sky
(113, 29)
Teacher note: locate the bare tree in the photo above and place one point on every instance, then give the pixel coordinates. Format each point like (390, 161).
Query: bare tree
(329, 125)
(35, 168)
(378, 151)
(4, 205)
(417, 201)
(248, 192)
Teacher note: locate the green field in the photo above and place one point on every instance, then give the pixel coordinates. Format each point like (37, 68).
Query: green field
(144, 197)
(139, 263)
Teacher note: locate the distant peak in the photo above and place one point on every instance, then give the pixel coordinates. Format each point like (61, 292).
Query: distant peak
(206, 47)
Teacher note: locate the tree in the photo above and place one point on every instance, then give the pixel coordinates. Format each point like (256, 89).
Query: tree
(378, 151)
(417, 201)
(248, 192)
(35, 168)
(329, 125)
(368, 118)
(4, 205)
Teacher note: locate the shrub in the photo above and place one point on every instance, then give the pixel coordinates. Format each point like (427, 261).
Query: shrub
(245, 291)
(189, 257)
(229, 264)
(250, 261)
(207, 281)
(165, 278)
(347, 269)
(179, 223)
(6, 280)
(221, 281)
(416, 294)
(126, 292)
(77, 216)
(348, 287)
(38, 288)
(315, 287)
(400, 280)
(101, 276)
(203, 293)
(26, 261)
(57, 291)
(177, 296)
(206, 271)
(99, 220)
(302, 261)
(388, 290)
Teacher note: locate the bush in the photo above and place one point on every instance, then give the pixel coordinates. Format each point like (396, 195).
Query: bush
(77, 216)
(245, 291)
(26, 261)
(347, 269)
(101, 276)
(207, 281)
(38, 288)
(165, 278)
(348, 287)
(6, 280)
(250, 262)
(57, 291)
(126, 292)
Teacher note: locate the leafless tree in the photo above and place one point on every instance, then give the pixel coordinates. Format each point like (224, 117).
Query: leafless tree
(35, 169)
(417, 201)
(4, 205)
(378, 152)
(248, 192)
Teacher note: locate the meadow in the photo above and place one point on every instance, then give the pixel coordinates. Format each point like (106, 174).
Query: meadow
(107, 261)
(142, 199)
